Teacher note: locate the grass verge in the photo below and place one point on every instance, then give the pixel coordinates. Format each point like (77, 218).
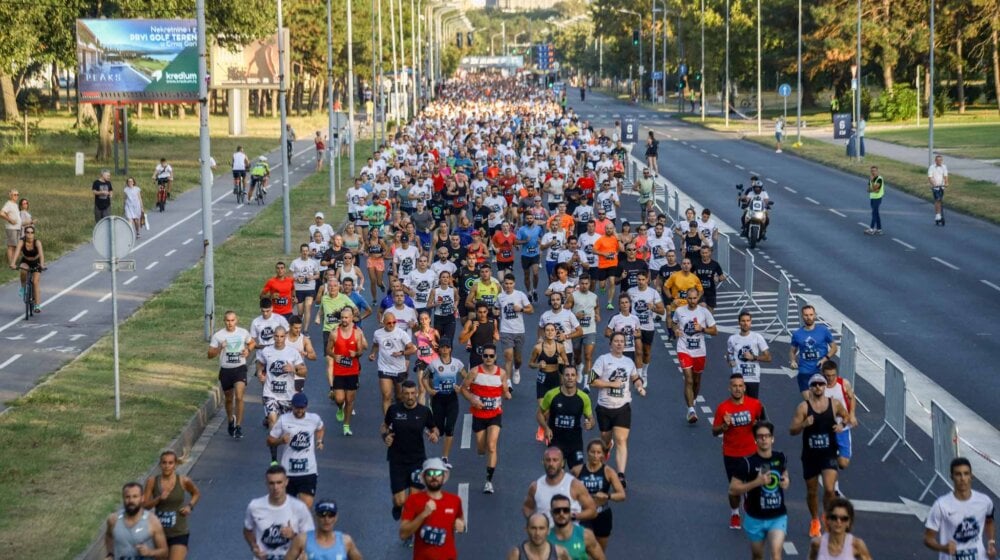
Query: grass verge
(973, 141)
(61, 443)
(61, 202)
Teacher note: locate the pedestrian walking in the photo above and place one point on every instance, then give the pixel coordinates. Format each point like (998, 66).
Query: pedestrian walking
(779, 133)
(12, 229)
(652, 151)
(102, 190)
(133, 205)
(876, 190)
(960, 523)
(937, 177)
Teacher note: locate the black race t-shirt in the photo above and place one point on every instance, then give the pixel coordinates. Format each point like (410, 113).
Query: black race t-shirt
(767, 501)
(99, 186)
(407, 426)
(707, 272)
(631, 270)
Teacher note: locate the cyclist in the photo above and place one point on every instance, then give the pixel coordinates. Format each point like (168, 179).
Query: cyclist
(240, 163)
(30, 258)
(164, 177)
(259, 174)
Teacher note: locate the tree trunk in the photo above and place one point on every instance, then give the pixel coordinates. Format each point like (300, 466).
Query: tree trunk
(887, 77)
(8, 99)
(105, 137)
(996, 60)
(156, 111)
(960, 69)
(85, 112)
(54, 87)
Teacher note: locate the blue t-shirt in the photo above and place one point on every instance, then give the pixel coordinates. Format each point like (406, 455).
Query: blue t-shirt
(314, 551)
(360, 302)
(388, 302)
(812, 346)
(530, 239)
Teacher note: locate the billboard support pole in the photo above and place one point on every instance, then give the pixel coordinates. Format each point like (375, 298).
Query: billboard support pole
(124, 110)
(285, 155)
(330, 148)
(350, 84)
(205, 159)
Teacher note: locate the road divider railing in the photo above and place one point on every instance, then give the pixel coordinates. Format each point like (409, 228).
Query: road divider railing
(895, 410)
(944, 432)
(848, 366)
(781, 314)
(723, 257)
(746, 298)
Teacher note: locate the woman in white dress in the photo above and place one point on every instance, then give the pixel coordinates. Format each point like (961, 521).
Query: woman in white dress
(133, 204)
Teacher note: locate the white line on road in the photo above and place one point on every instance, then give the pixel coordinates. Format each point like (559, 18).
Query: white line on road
(10, 360)
(230, 213)
(738, 166)
(841, 214)
(130, 280)
(467, 431)
(703, 150)
(104, 298)
(944, 262)
(216, 222)
(170, 252)
(75, 337)
(904, 243)
(463, 494)
(706, 410)
(152, 264)
(772, 181)
(862, 224)
(715, 155)
(991, 284)
(813, 200)
(238, 206)
(188, 240)
(726, 160)
(791, 190)
(790, 549)
(46, 337)
(76, 317)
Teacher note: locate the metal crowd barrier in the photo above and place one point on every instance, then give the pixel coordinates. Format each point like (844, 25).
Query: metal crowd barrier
(746, 298)
(895, 409)
(722, 254)
(848, 366)
(945, 436)
(781, 316)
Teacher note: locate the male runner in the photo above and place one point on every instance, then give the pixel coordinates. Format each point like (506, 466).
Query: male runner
(392, 345)
(691, 324)
(579, 542)
(735, 418)
(960, 523)
(403, 429)
(484, 388)
(324, 542)
(273, 521)
(761, 479)
(588, 312)
(281, 290)
(811, 346)
(301, 433)
(513, 305)
(564, 413)
(277, 366)
(648, 305)
(745, 351)
(232, 345)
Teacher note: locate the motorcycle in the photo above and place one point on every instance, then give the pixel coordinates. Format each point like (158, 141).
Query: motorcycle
(754, 216)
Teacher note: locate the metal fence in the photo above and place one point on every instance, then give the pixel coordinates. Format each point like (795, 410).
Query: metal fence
(722, 255)
(746, 298)
(895, 409)
(945, 436)
(781, 316)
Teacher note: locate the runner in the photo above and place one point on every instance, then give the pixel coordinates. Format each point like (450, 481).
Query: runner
(553, 242)
(277, 367)
(578, 541)
(281, 290)
(347, 344)
(305, 271)
(841, 390)
(262, 328)
(709, 272)
(419, 283)
(133, 532)
(403, 429)
(549, 357)
(432, 517)
(735, 419)
(960, 523)
(567, 325)
(444, 302)
(273, 521)
(613, 373)
(604, 487)
(513, 304)
(484, 387)
(563, 413)
(537, 546)
(502, 243)
(839, 543)
(816, 420)
(331, 304)
(607, 248)
(626, 323)
(324, 543)
(745, 351)
(648, 305)
(587, 311)
(484, 289)
(301, 433)
(761, 478)
(164, 493)
(529, 243)
(393, 346)
(443, 374)
(691, 324)
(811, 346)
(556, 481)
(238, 344)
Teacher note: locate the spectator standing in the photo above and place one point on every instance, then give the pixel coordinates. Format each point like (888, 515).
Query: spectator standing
(102, 190)
(26, 218)
(876, 190)
(937, 177)
(12, 215)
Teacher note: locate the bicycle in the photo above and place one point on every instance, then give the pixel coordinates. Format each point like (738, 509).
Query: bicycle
(29, 292)
(240, 191)
(257, 184)
(161, 193)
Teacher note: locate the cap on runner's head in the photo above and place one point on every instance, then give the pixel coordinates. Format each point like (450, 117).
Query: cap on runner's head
(817, 378)
(300, 400)
(325, 505)
(404, 238)
(265, 303)
(320, 215)
(433, 464)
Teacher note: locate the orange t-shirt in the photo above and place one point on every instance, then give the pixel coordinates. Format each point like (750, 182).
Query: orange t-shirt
(603, 245)
(566, 223)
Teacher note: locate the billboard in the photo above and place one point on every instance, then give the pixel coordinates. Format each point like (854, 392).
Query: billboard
(251, 66)
(137, 60)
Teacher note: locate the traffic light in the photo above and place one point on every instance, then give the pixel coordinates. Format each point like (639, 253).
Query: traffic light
(551, 54)
(544, 56)
(697, 80)
(635, 37)
(468, 39)
(458, 39)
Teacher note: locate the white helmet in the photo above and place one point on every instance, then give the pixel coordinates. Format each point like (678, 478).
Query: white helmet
(262, 158)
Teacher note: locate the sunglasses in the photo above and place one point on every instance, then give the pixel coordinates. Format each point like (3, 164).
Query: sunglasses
(326, 514)
(489, 356)
(390, 322)
(557, 511)
(817, 384)
(434, 472)
(841, 518)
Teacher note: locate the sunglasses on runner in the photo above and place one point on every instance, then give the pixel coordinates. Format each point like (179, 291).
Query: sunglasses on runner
(434, 472)
(558, 511)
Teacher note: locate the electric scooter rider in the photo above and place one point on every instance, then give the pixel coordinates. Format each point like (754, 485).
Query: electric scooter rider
(756, 189)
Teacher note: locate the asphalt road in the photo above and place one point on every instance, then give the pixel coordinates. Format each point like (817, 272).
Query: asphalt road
(676, 506)
(76, 309)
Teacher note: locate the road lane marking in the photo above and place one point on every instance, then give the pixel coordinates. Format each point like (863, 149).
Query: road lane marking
(772, 181)
(706, 410)
(726, 160)
(130, 280)
(10, 360)
(791, 190)
(46, 337)
(188, 240)
(152, 264)
(715, 155)
(752, 172)
(170, 252)
(738, 166)
(813, 200)
(238, 206)
(862, 224)
(463, 494)
(944, 262)
(76, 317)
(904, 243)
(703, 150)
(790, 549)
(105, 298)
(467, 431)
(75, 337)
(842, 215)
(991, 284)
(216, 222)
(230, 213)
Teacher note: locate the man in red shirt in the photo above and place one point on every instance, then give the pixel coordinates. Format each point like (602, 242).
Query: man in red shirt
(734, 419)
(432, 517)
(281, 290)
(587, 184)
(503, 245)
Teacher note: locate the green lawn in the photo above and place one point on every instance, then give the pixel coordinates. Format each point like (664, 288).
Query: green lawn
(978, 141)
(61, 443)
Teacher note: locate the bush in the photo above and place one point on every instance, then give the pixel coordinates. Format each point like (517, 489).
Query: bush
(87, 131)
(941, 103)
(899, 103)
(847, 102)
(972, 93)
(32, 100)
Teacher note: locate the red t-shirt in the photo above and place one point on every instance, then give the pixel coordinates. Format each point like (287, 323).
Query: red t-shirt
(435, 539)
(587, 185)
(505, 246)
(738, 440)
(285, 288)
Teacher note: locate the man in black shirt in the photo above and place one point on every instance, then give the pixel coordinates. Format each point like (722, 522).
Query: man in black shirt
(480, 214)
(456, 252)
(763, 478)
(466, 276)
(710, 274)
(102, 195)
(403, 433)
(437, 207)
(632, 268)
(560, 413)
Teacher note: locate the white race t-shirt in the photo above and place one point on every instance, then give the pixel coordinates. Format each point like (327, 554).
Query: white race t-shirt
(627, 325)
(658, 247)
(262, 330)
(586, 302)
(737, 345)
(232, 344)
(299, 456)
(404, 317)
(643, 304)
(279, 384)
(512, 322)
(707, 229)
(557, 240)
(390, 342)
(421, 283)
(304, 272)
(609, 368)
(406, 259)
(962, 522)
(565, 322)
(692, 343)
(266, 522)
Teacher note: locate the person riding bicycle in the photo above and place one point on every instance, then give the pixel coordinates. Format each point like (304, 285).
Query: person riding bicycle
(164, 177)
(755, 190)
(259, 174)
(30, 259)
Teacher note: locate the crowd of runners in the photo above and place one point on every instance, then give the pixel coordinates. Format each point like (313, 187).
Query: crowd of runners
(436, 278)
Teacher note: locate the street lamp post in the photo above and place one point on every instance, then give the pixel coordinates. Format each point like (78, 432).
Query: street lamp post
(639, 15)
(205, 161)
(702, 85)
(329, 102)
(760, 124)
(930, 100)
(652, 52)
(350, 87)
(857, 92)
(286, 200)
(725, 109)
(798, 86)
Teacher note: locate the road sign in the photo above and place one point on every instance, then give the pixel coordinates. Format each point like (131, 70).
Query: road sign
(630, 130)
(642, 69)
(124, 237)
(854, 83)
(784, 90)
(841, 126)
(123, 265)
(657, 75)
(683, 70)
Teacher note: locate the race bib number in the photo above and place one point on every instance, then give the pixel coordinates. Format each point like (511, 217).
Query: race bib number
(332, 318)
(693, 343)
(278, 387)
(298, 465)
(811, 355)
(970, 554)
(423, 351)
(629, 340)
(819, 441)
(345, 361)
(233, 357)
(167, 518)
(491, 403)
(281, 301)
(747, 369)
(616, 392)
(565, 422)
(433, 536)
(585, 321)
(506, 254)
(422, 297)
(447, 386)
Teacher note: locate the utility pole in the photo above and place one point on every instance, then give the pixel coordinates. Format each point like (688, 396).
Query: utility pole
(205, 159)
(760, 124)
(725, 109)
(702, 92)
(930, 100)
(286, 198)
(857, 90)
(798, 86)
(350, 85)
(329, 103)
